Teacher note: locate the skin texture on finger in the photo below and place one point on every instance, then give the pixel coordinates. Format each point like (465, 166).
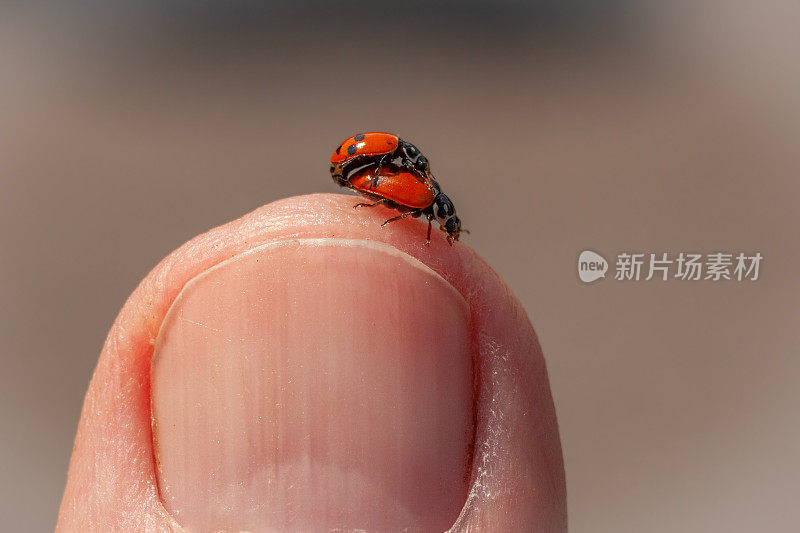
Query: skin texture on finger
(517, 478)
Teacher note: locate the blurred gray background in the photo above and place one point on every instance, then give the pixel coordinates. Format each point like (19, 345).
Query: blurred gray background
(555, 126)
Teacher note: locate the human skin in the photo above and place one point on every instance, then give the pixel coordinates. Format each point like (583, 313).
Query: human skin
(304, 369)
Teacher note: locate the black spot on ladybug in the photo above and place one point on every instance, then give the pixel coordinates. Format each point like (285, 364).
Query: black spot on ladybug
(352, 149)
(359, 137)
(339, 149)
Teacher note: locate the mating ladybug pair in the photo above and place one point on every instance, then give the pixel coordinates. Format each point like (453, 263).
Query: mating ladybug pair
(393, 172)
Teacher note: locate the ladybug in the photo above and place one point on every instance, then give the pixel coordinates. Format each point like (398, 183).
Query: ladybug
(376, 147)
(408, 191)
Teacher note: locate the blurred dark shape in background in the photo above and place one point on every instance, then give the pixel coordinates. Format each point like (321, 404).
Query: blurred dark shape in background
(128, 128)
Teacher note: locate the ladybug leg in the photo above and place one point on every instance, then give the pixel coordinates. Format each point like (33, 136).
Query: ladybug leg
(365, 204)
(400, 217)
(380, 164)
(428, 238)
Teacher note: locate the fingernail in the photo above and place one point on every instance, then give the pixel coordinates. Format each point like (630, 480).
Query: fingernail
(314, 385)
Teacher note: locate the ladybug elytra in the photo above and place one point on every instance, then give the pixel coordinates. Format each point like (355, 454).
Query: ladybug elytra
(393, 172)
(376, 146)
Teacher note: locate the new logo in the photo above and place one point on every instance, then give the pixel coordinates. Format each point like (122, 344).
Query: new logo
(591, 266)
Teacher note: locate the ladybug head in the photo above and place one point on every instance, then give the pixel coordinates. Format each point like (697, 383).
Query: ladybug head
(445, 214)
(453, 228)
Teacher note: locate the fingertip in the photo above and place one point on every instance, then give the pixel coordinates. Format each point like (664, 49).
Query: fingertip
(516, 474)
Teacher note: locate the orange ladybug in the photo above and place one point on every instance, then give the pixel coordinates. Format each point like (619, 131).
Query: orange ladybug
(375, 147)
(408, 191)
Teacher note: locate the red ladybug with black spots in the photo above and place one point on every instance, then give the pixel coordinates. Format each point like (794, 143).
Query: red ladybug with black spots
(393, 172)
(376, 147)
